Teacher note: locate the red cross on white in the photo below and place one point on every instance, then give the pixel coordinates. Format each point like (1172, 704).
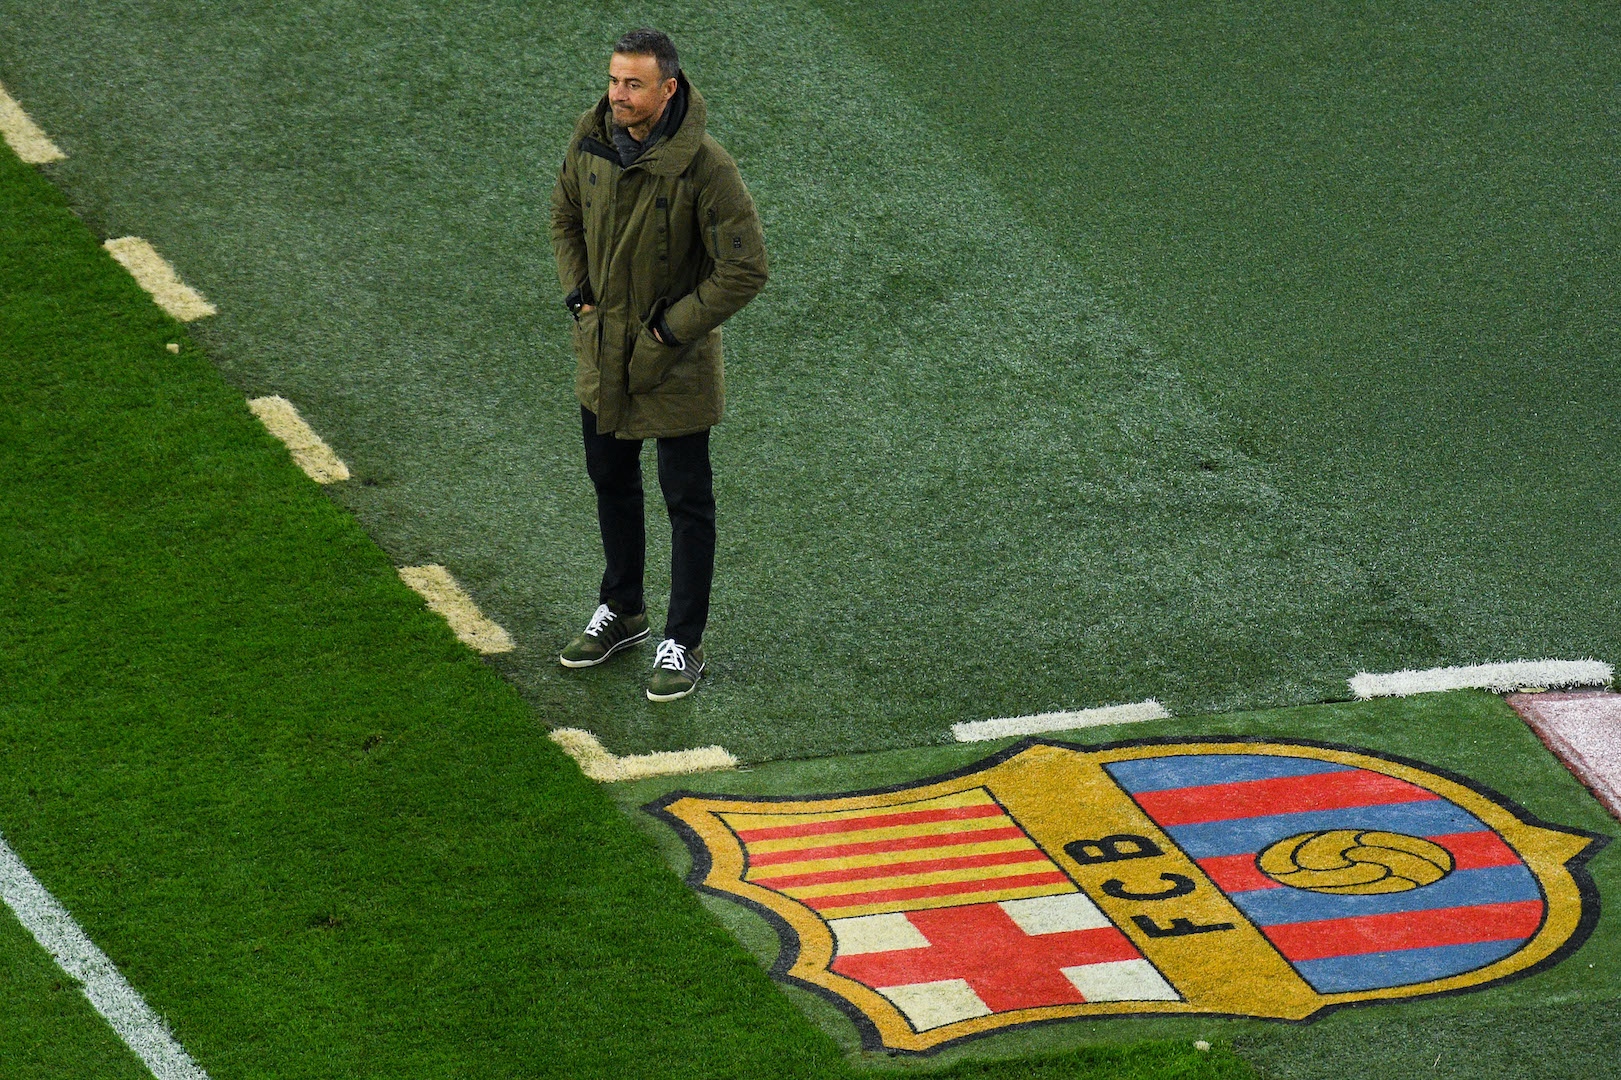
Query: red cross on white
(946, 964)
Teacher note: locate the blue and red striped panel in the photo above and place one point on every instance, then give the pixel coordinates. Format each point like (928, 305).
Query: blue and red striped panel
(1225, 809)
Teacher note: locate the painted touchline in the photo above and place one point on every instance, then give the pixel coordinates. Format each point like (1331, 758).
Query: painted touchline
(142, 1030)
(1007, 727)
(153, 273)
(598, 764)
(310, 452)
(445, 596)
(24, 136)
(1499, 678)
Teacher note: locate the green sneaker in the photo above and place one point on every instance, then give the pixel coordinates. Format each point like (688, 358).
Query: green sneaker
(606, 633)
(676, 671)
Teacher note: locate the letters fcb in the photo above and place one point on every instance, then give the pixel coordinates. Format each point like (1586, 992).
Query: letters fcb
(1273, 879)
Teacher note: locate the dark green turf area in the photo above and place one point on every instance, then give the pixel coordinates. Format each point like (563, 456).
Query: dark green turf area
(1377, 240)
(1205, 352)
(1493, 1032)
(315, 832)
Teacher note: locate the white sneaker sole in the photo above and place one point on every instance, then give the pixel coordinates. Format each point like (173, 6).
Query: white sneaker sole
(605, 657)
(673, 697)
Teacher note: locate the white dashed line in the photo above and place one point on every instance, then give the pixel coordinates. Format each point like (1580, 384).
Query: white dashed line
(1499, 678)
(445, 596)
(981, 730)
(309, 451)
(154, 274)
(109, 992)
(597, 763)
(23, 135)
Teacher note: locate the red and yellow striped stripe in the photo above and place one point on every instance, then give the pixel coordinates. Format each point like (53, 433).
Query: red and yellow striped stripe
(961, 848)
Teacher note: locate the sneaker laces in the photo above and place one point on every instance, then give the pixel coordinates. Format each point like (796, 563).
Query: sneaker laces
(603, 617)
(672, 654)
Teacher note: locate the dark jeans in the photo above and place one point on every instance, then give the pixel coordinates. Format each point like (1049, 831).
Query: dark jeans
(615, 467)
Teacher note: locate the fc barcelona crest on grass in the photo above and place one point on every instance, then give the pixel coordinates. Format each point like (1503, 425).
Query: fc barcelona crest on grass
(1260, 879)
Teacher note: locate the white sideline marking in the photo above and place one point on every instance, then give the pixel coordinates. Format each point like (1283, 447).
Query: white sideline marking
(23, 135)
(445, 596)
(1499, 678)
(980, 730)
(153, 273)
(142, 1030)
(598, 764)
(310, 452)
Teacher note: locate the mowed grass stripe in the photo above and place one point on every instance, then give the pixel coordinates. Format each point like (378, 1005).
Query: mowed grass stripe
(1392, 278)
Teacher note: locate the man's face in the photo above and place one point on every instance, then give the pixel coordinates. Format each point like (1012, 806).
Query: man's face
(635, 91)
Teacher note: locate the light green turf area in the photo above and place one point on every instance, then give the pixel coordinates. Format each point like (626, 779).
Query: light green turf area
(1471, 734)
(1204, 352)
(316, 833)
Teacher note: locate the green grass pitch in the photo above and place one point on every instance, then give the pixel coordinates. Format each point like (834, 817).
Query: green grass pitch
(1202, 352)
(314, 831)
(1208, 354)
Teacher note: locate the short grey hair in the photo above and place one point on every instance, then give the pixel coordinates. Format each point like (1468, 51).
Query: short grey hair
(654, 43)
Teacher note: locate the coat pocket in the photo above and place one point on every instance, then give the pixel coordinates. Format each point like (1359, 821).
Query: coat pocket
(587, 346)
(650, 362)
(586, 329)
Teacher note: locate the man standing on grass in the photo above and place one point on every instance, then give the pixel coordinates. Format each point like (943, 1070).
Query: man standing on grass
(657, 244)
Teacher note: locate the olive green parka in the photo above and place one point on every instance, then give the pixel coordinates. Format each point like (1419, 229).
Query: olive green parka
(674, 235)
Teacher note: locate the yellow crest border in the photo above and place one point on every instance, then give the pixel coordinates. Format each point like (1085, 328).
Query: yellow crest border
(1556, 855)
